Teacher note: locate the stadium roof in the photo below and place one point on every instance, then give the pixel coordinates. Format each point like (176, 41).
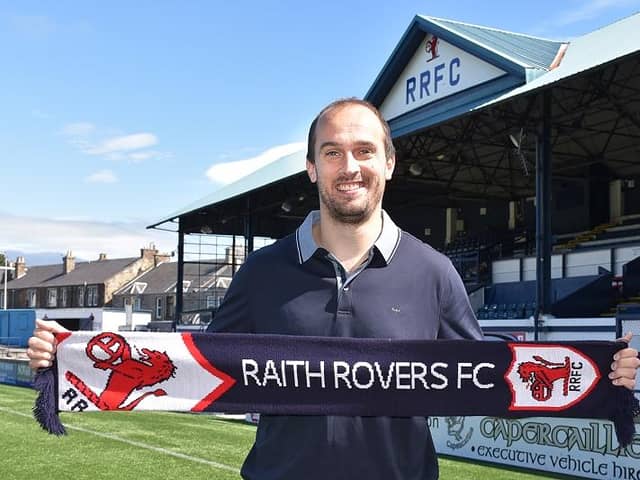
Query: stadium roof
(527, 50)
(275, 171)
(462, 145)
(594, 49)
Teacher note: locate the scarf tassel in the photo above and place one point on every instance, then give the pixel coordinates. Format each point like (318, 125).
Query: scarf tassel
(627, 408)
(45, 409)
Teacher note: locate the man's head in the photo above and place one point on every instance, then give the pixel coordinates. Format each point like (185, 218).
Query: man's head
(350, 157)
(311, 139)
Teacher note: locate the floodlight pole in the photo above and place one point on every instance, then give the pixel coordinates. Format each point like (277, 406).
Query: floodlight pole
(543, 214)
(6, 269)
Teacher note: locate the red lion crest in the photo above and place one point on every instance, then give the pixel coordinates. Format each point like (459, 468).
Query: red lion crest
(541, 376)
(432, 47)
(110, 351)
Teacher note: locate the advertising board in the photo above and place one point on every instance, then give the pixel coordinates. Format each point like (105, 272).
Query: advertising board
(576, 447)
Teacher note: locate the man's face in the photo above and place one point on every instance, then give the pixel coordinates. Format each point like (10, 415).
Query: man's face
(351, 166)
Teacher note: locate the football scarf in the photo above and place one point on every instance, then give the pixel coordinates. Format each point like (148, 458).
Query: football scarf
(291, 375)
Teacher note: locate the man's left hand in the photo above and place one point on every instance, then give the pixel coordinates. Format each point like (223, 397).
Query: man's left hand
(625, 364)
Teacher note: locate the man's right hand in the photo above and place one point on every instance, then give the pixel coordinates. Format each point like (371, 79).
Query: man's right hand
(42, 345)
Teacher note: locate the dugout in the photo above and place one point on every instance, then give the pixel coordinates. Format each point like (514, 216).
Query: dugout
(506, 140)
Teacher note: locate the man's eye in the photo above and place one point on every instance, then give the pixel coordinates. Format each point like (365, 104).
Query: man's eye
(332, 153)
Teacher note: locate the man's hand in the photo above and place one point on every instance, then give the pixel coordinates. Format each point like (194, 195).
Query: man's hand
(42, 345)
(625, 364)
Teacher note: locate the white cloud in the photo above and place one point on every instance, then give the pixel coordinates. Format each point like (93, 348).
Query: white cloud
(78, 129)
(123, 143)
(228, 172)
(140, 156)
(90, 140)
(102, 176)
(85, 238)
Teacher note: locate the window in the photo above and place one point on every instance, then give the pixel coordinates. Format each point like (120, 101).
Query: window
(159, 308)
(171, 310)
(52, 297)
(32, 298)
(81, 296)
(1, 298)
(64, 292)
(92, 295)
(137, 304)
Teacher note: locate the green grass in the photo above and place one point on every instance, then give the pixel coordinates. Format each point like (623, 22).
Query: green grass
(144, 445)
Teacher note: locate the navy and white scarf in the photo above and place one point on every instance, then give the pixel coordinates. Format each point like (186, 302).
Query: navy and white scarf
(292, 375)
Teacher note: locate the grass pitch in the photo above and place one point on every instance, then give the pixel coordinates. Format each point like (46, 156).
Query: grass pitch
(145, 445)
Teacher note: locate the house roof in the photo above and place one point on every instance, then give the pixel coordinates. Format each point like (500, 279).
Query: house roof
(92, 273)
(162, 278)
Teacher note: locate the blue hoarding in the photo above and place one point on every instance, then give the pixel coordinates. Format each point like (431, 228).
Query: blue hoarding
(16, 326)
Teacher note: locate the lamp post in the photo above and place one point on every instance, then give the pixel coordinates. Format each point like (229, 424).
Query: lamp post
(6, 269)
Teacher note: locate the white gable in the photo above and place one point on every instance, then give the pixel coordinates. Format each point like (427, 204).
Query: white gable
(436, 70)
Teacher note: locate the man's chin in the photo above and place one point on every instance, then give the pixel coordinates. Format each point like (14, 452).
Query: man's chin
(351, 217)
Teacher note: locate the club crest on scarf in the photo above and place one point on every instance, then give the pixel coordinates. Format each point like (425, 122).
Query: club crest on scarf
(549, 377)
(111, 352)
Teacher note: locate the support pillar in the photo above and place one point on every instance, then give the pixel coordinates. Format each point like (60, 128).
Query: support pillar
(543, 214)
(180, 280)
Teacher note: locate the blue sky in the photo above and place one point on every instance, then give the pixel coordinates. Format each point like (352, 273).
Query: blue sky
(115, 114)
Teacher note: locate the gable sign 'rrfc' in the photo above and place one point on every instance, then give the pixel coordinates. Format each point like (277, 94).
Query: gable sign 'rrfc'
(437, 70)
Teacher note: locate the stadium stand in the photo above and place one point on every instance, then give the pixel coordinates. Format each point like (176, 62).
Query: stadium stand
(573, 297)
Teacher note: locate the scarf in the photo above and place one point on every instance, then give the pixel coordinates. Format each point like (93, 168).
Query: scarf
(295, 375)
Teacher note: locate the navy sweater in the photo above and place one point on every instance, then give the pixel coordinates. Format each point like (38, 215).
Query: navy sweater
(417, 294)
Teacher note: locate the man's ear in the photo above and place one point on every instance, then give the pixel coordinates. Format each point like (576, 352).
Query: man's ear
(389, 167)
(311, 171)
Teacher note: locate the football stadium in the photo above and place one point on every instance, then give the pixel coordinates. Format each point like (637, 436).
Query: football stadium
(516, 157)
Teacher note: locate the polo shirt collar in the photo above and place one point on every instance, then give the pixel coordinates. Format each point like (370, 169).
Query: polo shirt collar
(386, 243)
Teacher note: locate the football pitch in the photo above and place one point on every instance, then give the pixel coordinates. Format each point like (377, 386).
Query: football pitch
(146, 445)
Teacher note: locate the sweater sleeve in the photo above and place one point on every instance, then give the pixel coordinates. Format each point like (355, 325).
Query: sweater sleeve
(457, 319)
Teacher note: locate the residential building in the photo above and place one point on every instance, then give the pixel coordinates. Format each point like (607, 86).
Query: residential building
(204, 287)
(71, 290)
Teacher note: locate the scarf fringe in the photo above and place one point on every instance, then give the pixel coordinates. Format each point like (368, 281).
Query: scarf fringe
(627, 408)
(45, 409)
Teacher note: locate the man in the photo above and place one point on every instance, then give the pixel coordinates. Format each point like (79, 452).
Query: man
(347, 271)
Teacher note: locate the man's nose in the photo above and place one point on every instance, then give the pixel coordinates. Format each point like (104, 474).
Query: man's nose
(351, 163)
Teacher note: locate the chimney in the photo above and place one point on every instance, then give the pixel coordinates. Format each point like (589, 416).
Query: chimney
(149, 253)
(20, 267)
(68, 262)
(161, 258)
(102, 257)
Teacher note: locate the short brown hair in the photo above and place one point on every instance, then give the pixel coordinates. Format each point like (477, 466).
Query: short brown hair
(343, 102)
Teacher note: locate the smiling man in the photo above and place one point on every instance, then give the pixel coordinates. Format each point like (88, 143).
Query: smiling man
(348, 271)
